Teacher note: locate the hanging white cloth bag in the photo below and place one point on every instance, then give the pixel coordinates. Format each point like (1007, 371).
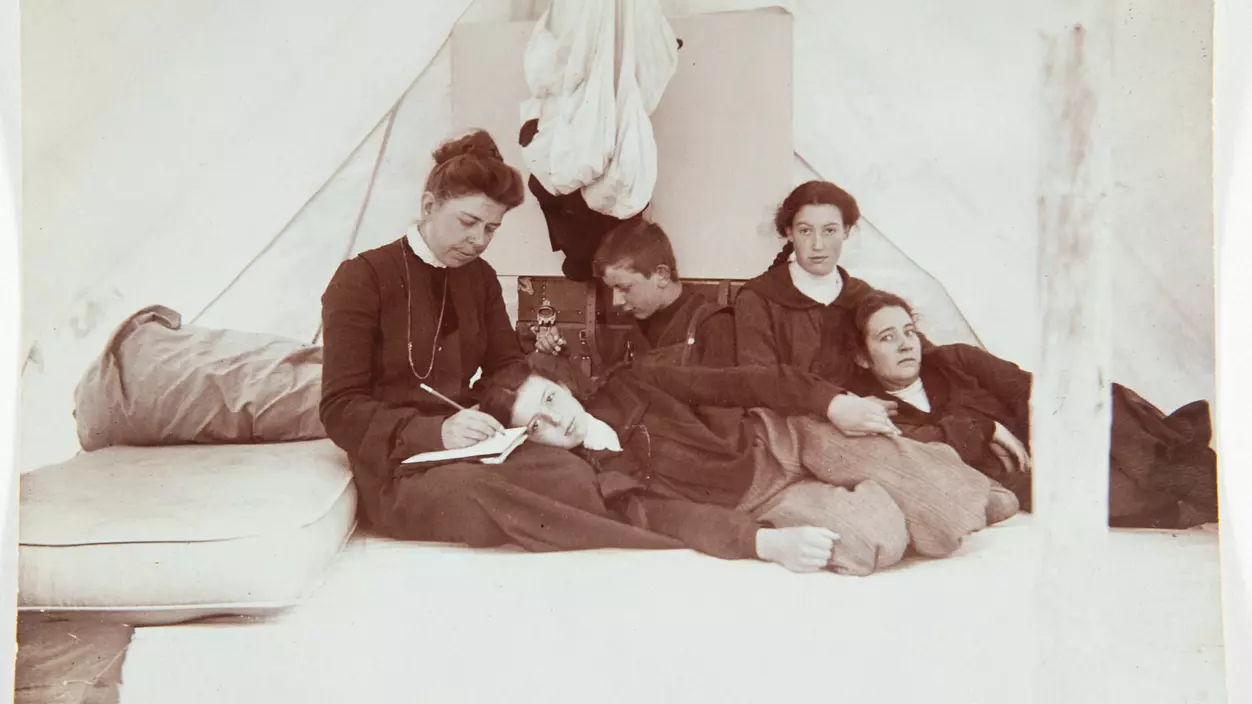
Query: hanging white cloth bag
(568, 66)
(649, 60)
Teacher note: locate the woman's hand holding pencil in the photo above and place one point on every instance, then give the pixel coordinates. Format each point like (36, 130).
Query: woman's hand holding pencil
(467, 427)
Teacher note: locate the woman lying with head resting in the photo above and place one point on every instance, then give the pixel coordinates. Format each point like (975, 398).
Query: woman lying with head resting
(1162, 472)
(666, 471)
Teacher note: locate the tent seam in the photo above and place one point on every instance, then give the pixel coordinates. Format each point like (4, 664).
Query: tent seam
(365, 201)
(274, 240)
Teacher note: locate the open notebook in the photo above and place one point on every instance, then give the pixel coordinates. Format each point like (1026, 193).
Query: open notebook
(493, 450)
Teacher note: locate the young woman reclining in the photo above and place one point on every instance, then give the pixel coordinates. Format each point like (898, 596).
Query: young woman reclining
(668, 472)
(1162, 472)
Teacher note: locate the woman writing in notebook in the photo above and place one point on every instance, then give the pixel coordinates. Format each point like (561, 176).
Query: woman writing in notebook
(427, 310)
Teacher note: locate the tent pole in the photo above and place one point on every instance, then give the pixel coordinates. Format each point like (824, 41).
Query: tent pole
(1070, 403)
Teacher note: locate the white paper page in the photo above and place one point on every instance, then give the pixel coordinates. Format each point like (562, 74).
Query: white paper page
(492, 446)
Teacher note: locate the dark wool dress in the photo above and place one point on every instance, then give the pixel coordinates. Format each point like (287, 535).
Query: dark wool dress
(1155, 461)
(777, 325)
(372, 407)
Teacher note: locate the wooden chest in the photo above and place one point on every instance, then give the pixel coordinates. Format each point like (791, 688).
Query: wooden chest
(597, 335)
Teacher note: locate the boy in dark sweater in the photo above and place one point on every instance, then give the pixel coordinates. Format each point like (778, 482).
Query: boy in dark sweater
(673, 324)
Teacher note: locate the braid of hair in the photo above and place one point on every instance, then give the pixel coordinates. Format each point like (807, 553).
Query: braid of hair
(783, 255)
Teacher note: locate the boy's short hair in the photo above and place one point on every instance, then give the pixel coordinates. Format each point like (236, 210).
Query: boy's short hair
(635, 244)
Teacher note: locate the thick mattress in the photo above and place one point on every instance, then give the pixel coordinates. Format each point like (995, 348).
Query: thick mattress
(166, 533)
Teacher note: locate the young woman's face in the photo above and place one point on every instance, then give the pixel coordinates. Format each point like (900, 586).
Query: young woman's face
(458, 230)
(895, 351)
(817, 233)
(551, 412)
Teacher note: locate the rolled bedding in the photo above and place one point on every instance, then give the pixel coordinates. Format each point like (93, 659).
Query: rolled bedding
(159, 382)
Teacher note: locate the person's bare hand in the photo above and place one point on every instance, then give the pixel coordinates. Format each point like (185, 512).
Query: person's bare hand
(1011, 452)
(799, 549)
(549, 340)
(892, 408)
(468, 427)
(856, 416)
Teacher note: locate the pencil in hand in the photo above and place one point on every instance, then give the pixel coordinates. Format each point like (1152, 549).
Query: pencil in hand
(495, 426)
(441, 397)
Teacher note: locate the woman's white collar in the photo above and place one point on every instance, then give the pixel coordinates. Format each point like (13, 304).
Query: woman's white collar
(423, 251)
(823, 289)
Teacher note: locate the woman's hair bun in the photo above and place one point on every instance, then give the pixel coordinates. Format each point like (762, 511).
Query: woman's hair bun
(472, 165)
(477, 143)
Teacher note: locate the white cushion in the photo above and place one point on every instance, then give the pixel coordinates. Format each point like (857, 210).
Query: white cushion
(188, 530)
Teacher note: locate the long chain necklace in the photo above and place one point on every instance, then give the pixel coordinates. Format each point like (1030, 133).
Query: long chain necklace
(647, 437)
(434, 345)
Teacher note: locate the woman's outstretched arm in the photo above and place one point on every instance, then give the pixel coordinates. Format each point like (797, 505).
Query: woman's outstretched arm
(734, 535)
(786, 390)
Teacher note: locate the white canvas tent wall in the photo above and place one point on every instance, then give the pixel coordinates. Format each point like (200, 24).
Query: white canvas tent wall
(216, 157)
